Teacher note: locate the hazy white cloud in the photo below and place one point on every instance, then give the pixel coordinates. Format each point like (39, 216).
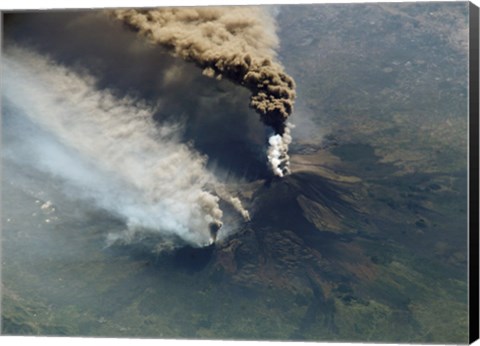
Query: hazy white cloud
(107, 150)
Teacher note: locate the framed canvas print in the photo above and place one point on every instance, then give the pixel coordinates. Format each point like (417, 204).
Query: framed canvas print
(303, 172)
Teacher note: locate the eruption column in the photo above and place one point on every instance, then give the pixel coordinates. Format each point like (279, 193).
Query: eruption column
(237, 43)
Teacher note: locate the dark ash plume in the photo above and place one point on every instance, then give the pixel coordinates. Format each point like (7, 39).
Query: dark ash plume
(237, 43)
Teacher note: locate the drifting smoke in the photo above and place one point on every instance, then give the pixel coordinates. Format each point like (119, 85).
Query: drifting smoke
(237, 43)
(108, 150)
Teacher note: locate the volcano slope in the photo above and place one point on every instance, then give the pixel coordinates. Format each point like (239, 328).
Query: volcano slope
(323, 259)
(345, 266)
(320, 260)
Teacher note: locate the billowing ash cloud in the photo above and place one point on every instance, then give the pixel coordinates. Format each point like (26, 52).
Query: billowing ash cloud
(237, 43)
(214, 115)
(107, 150)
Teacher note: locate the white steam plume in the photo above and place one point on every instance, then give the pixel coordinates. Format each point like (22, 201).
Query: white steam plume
(110, 151)
(278, 152)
